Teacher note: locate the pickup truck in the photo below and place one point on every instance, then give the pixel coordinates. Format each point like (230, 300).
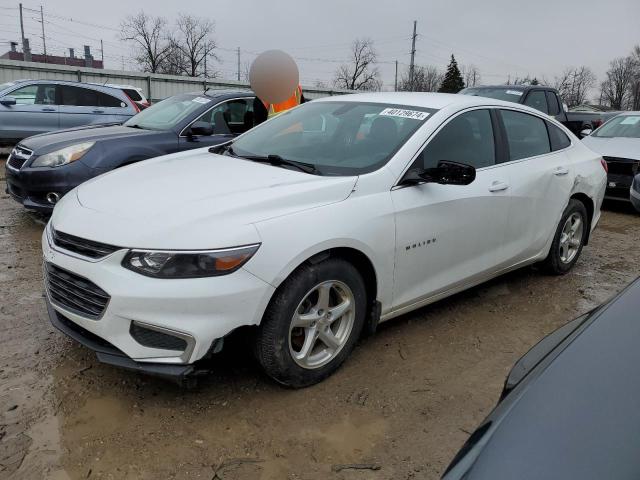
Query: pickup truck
(545, 99)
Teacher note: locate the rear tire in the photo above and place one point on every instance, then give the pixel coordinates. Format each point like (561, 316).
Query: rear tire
(312, 323)
(569, 239)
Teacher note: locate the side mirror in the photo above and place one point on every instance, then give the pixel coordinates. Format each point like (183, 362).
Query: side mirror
(7, 101)
(201, 129)
(446, 173)
(585, 133)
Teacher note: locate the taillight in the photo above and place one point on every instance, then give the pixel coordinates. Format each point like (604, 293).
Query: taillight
(604, 164)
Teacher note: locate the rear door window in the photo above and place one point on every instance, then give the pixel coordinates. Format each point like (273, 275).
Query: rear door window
(78, 97)
(526, 134)
(538, 100)
(558, 138)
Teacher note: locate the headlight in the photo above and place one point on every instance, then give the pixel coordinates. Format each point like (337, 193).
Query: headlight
(181, 264)
(63, 156)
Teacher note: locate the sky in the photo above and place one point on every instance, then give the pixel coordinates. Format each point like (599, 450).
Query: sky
(502, 38)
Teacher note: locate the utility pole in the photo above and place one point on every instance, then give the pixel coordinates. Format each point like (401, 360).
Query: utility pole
(44, 41)
(22, 29)
(238, 63)
(102, 53)
(413, 55)
(396, 82)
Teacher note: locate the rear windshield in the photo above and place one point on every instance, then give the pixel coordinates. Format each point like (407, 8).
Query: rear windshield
(627, 126)
(499, 93)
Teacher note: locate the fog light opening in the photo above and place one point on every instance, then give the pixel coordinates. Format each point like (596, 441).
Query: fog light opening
(52, 198)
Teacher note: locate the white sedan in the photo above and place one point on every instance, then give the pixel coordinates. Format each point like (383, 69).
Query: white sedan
(618, 141)
(312, 228)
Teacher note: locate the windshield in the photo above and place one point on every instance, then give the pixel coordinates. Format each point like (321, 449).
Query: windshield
(337, 138)
(4, 86)
(167, 114)
(499, 93)
(627, 126)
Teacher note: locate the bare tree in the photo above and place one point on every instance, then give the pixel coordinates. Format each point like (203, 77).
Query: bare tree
(634, 95)
(175, 62)
(425, 79)
(616, 87)
(193, 38)
(528, 80)
(574, 85)
(361, 73)
(148, 34)
(471, 75)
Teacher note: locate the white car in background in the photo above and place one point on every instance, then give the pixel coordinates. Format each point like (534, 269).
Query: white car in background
(618, 141)
(313, 227)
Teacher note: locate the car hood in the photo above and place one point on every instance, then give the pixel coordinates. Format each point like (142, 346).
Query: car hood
(50, 142)
(614, 147)
(191, 200)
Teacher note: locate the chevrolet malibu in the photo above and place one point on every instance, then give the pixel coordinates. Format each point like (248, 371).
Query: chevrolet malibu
(312, 228)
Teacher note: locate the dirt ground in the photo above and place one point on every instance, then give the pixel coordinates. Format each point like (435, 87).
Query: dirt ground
(403, 403)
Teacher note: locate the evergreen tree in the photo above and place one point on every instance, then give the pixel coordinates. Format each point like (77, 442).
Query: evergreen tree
(452, 82)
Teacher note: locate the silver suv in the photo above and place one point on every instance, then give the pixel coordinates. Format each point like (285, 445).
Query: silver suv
(30, 107)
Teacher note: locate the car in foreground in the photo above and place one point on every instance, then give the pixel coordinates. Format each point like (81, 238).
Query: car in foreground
(569, 406)
(547, 100)
(42, 169)
(314, 226)
(618, 141)
(31, 107)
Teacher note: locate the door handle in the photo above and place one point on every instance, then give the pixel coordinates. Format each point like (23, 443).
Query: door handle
(98, 111)
(48, 109)
(498, 186)
(560, 171)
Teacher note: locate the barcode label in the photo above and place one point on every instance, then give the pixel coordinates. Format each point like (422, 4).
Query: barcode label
(398, 112)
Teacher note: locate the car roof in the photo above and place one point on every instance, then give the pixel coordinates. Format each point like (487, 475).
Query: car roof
(69, 82)
(436, 101)
(515, 87)
(576, 415)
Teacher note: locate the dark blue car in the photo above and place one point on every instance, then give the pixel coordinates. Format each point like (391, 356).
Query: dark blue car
(42, 168)
(569, 408)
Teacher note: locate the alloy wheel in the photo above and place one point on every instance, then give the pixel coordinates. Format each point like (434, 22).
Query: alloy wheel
(571, 237)
(322, 324)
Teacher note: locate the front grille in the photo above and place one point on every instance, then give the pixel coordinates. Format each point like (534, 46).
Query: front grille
(622, 166)
(154, 339)
(18, 157)
(74, 293)
(81, 246)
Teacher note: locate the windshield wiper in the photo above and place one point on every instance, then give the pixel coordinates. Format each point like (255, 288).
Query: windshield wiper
(135, 125)
(277, 160)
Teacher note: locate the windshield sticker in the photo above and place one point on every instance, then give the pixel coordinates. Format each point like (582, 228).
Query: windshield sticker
(630, 121)
(398, 112)
(514, 92)
(201, 100)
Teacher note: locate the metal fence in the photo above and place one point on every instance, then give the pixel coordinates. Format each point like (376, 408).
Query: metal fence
(156, 86)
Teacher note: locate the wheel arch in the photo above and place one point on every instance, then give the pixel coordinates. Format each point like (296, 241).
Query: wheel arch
(589, 205)
(360, 258)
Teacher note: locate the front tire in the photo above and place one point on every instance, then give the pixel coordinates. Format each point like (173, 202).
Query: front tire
(569, 239)
(312, 323)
